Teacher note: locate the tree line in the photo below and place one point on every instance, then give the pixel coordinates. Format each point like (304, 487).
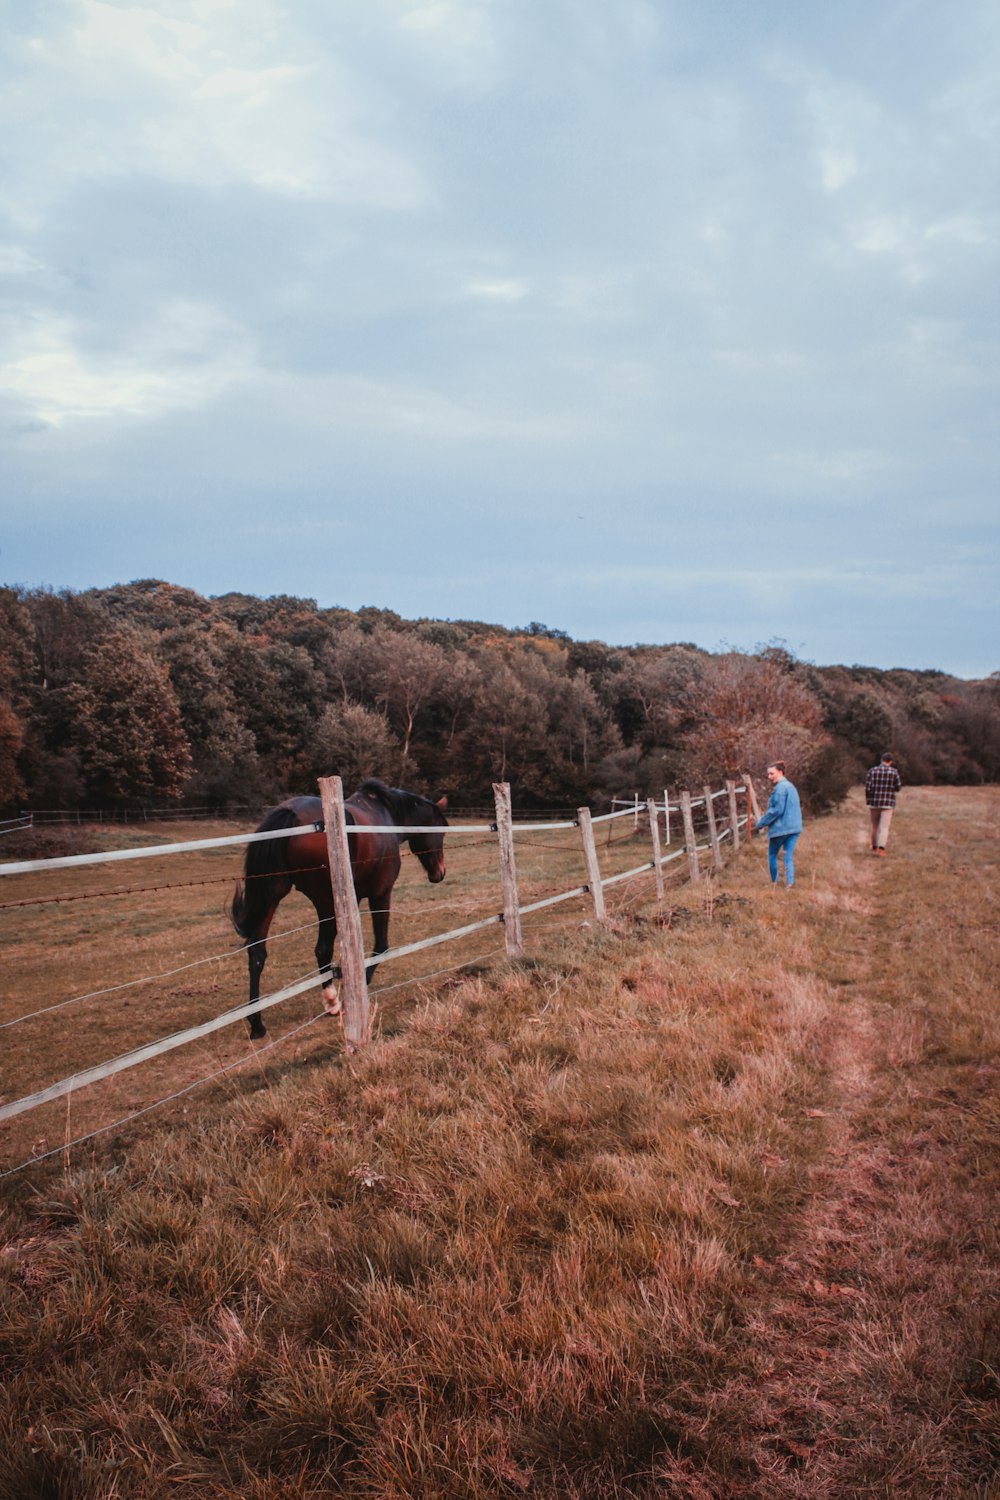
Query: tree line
(146, 693)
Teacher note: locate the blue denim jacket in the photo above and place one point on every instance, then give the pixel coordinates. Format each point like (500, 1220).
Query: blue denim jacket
(783, 815)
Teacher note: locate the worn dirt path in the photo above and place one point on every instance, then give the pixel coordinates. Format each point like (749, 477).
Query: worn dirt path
(880, 1316)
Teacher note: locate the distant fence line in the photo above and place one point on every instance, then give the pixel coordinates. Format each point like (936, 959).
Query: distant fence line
(60, 817)
(15, 825)
(53, 817)
(667, 807)
(46, 817)
(352, 972)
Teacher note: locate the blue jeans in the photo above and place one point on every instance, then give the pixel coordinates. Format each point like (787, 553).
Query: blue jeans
(786, 841)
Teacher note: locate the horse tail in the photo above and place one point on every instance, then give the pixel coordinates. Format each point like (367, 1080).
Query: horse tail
(253, 897)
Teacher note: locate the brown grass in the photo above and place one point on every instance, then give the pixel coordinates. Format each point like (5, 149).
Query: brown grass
(698, 1210)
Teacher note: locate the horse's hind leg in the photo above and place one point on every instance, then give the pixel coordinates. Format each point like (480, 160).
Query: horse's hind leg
(256, 959)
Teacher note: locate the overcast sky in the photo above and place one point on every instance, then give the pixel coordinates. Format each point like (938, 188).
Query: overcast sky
(649, 321)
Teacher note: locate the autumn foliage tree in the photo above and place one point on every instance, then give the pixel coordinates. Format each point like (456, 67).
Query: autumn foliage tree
(15, 677)
(146, 691)
(223, 749)
(749, 710)
(352, 742)
(127, 725)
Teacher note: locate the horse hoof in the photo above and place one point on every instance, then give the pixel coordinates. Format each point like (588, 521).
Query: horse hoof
(258, 1034)
(331, 1004)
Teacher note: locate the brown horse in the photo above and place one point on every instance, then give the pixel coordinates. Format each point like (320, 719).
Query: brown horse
(274, 867)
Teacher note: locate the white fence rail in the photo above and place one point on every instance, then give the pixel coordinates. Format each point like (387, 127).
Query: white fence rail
(16, 825)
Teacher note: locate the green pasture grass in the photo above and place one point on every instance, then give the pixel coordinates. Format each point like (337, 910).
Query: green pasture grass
(700, 1203)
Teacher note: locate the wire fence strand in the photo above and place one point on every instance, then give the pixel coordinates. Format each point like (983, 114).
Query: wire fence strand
(240, 1062)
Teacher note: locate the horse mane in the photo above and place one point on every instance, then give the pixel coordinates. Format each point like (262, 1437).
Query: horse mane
(396, 798)
(388, 796)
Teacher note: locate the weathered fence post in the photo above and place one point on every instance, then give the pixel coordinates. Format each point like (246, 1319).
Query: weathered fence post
(654, 831)
(357, 1027)
(590, 857)
(713, 829)
(508, 870)
(689, 839)
(734, 812)
(753, 807)
(666, 817)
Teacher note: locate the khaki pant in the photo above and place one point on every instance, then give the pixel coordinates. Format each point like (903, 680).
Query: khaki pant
(881, 818)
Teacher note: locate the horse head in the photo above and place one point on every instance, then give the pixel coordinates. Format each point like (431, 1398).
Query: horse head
(429, 847)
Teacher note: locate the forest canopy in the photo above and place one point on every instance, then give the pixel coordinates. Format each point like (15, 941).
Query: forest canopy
(147, 694)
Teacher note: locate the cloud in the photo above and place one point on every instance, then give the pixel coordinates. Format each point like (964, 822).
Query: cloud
(837, 168)
(499, 289)
(184, 359)
(209, 93)
(460, 30)
(981, 231)
(386, 409)
(16, 261)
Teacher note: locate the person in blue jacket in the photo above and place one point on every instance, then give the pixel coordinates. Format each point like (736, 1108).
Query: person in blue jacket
(783, 820)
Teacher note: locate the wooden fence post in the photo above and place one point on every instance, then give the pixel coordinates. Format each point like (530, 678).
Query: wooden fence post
(713, 829)
(734, 812)
(753, 807)
(654, 830)
(357, 1025)
(590, 858)
(508, 870)
(689, 838)
(666, 817)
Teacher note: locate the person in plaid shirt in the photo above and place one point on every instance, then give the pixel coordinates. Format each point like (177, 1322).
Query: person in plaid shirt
(881, 785)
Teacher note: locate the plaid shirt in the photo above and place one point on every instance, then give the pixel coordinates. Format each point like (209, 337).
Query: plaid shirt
(881, 785)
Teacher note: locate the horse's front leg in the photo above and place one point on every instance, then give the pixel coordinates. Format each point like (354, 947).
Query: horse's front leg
(379, 909)
(324, 963)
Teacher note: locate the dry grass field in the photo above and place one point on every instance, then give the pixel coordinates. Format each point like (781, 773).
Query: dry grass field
(701, 1204)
